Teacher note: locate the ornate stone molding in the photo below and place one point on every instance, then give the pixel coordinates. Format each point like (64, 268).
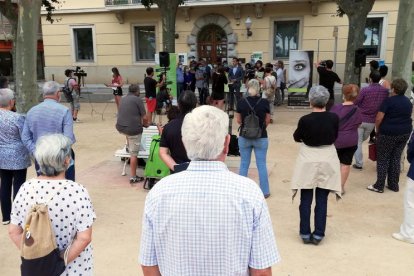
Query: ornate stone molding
(216, 19)
(186, 13)
(236, 12)
(315, 7)
(259, 10)
(120, 16)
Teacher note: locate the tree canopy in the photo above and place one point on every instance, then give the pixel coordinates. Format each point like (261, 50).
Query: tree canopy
(168, 9)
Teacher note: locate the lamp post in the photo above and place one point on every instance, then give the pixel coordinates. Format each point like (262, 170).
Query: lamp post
(248, 24)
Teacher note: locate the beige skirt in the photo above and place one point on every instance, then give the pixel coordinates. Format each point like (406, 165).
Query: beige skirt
(317, 167)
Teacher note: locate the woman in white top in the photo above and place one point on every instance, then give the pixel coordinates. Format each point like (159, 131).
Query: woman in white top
(70, 210)
(269, 89)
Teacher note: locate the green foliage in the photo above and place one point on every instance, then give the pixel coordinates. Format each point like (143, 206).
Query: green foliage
(50, 6)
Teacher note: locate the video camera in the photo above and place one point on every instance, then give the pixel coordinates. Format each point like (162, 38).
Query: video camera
(79, 72)
(322, 63)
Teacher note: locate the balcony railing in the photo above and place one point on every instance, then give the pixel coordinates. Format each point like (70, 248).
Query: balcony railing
(138, 2)
(121, 2)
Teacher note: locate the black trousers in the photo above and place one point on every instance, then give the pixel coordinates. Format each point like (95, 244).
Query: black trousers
(389, 150)
(10, 180)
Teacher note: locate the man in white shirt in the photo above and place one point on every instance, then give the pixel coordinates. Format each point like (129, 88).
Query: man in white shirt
(207, 220)
(281, 81)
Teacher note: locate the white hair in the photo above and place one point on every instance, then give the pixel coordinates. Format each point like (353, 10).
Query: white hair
(204, 131)
(318, 96)
(253, 87)
(50, 88)
(51, 152)
(6, 95)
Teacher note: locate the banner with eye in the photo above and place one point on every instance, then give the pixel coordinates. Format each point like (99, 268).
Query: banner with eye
(300, 77)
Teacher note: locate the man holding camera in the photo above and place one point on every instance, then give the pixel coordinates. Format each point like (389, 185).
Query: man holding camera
(72, 87)
(327, 78)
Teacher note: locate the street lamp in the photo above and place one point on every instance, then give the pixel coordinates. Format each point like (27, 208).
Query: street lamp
(248, 24)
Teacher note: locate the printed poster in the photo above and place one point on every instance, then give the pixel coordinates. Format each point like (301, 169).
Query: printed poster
(300, 77)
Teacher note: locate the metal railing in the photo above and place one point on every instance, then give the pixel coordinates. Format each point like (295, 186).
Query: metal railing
(138, 2)
(122, 2)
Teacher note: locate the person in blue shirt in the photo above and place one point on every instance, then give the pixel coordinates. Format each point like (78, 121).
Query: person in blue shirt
(14, 157)
(180, 79)
(49, 117)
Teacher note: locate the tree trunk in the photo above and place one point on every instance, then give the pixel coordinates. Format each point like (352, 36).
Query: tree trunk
(168, 14)
(26, 54)
(357, 12)
(403, 45)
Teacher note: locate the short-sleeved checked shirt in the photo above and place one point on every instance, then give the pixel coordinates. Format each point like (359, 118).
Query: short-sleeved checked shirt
(207, 221)
(369, 101)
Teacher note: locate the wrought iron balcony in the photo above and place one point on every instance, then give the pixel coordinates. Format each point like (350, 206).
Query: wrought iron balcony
(122, 2)
(187, 2)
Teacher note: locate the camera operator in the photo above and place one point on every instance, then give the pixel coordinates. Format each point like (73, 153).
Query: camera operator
(73, 86)
(327, 78)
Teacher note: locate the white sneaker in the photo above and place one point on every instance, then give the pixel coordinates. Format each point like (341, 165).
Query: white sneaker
(6, 222)
(77, 121)
(400, 237)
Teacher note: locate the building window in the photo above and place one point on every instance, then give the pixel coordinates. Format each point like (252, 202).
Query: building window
(373, 36)
(144, 43)
(84, 45)
(286, 38)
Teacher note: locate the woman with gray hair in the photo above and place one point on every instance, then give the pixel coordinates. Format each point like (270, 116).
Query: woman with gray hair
(317, 165)
(14, 157)
(253, 103)
(70, 209)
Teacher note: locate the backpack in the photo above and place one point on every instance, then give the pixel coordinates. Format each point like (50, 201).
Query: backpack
(155, 168)
(251, 128)
(39, 253)
(67, 92)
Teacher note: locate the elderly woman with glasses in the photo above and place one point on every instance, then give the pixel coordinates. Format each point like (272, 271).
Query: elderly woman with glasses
(317, 165)
(14, 157)
(70, 209)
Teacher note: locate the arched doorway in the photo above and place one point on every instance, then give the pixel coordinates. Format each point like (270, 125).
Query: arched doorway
(212, 44)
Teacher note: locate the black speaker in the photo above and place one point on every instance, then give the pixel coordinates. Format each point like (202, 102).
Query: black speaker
(164, 59)
(360, 57)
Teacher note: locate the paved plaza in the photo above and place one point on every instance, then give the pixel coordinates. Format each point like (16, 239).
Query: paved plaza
(359, 227)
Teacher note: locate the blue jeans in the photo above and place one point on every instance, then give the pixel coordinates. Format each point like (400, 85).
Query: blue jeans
(321, 207)
(260, 150)
(363, 133)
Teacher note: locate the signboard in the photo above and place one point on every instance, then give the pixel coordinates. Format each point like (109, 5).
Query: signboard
(300, 77)
(182, 58)
(256, 56)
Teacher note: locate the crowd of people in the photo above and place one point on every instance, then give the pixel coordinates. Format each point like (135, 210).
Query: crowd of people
(203, 219)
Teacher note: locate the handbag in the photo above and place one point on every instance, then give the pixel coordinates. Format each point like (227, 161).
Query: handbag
(372, 152)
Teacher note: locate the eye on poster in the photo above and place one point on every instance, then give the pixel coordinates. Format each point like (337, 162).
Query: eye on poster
(300, 77)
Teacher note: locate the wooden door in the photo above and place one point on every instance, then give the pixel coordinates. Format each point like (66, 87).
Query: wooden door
(212, 44)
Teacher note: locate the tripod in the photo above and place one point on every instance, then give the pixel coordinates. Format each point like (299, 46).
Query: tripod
(229, 107)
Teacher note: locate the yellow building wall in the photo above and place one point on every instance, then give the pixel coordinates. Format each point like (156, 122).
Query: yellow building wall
(115, 46)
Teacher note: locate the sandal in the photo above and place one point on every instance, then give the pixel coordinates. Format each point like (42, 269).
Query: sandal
(373, 189)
